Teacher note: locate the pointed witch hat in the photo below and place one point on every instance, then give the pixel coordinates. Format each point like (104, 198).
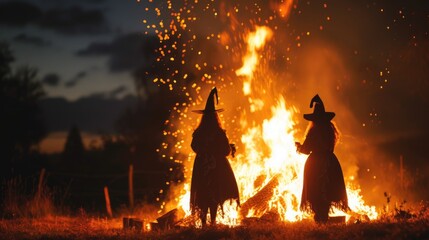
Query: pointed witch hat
(319, 113)
(210, 104)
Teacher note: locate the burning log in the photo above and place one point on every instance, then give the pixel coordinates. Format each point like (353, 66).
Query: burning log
(337, 219)
(358, 218)
(132, 223)
(259, 201)
(268, 217)
(187, 221)
(170, 219)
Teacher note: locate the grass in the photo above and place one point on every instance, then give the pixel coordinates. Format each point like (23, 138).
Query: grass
(84, 227)
(33, 216)
(19, 201)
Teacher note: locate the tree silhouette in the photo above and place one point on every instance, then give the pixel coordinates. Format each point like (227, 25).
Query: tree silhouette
(73, 148)
(21, 122)
(6, 59)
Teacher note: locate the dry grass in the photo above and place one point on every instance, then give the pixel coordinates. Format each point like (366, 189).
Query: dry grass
(53, 227)
(33, 217)
(20, 202)
(85, 227)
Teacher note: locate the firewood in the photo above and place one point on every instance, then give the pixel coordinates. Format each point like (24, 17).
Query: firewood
(187, 221)
(132, 224)
(168, 220)
(137, 224)
(259, 201)
(337, 219)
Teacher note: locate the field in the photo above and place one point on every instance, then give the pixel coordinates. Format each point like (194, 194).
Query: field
(84, 227)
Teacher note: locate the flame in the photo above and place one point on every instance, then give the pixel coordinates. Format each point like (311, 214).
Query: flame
(255, 41)
(268, 170)
(284, 8)
(276, 175)
(282, 165)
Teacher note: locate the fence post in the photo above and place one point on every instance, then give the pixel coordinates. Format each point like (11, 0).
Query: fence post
(401, 171)
(107, 197)
(130, 187)
(40, 185)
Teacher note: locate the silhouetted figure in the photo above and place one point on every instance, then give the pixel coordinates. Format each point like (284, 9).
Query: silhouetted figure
(213, 181)
(323, 178)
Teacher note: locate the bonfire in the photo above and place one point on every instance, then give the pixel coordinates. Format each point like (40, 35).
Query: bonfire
(267, 167)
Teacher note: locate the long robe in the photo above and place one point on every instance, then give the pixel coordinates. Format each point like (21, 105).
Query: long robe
(213, 181)
(323, 178)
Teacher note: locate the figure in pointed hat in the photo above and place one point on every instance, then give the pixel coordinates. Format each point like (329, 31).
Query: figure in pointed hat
(323, 178)
(213, 181)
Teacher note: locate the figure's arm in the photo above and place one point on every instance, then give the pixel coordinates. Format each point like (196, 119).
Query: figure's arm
(233, 149)
(224, 146)
(307, 146)
(196, 143)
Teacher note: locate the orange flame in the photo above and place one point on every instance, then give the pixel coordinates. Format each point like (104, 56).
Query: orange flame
(255, 41)
(268, 170)
(282, 163)
(283, 8)
(281, 170)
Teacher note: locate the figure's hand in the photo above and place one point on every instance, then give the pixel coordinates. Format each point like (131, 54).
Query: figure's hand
(233, 149)
(298, 146)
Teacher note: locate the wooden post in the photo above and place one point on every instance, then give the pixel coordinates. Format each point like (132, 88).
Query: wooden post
(401, 171)
(130, 187)
(107, 197)
(40, 185)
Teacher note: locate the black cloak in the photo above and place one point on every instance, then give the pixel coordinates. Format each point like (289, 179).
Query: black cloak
(213, 181)
(323, 177)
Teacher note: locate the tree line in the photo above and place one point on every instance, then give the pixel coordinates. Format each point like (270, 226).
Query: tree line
(77, 175)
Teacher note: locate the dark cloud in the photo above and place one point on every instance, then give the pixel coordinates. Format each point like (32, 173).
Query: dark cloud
(96, 49)
(51, 79)
(92, 114)
(31, 40)
(74, 20)
(114, 93)
(17, 13)
(95, 1)
(79, 76)
(126, 52)
(65, 2)
(117, 91)
(64, 20)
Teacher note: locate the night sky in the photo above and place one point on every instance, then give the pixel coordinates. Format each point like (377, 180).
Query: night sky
(369, 60)
(55, 37)
(51, 35)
